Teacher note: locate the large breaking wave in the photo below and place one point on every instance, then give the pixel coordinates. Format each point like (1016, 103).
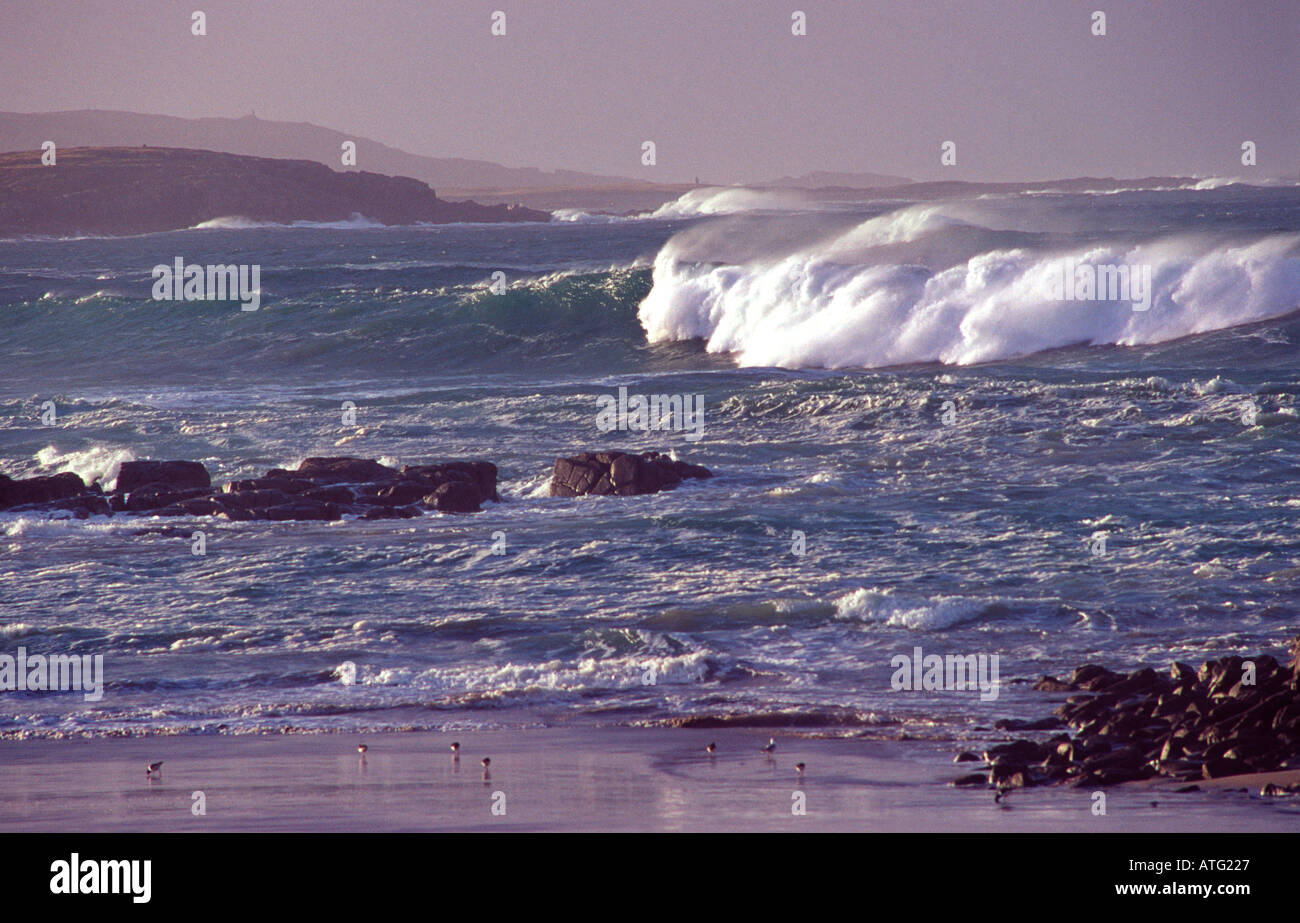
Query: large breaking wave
(943, 283)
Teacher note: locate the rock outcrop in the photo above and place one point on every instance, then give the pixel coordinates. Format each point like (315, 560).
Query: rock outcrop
(620, 474)
(174, 474)
(1233, 716)
(318, 489)
(328, 488)
(39, 490)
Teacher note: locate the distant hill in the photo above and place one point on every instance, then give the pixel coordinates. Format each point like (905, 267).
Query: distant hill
(137, 190)
(819, 179)
(262, 138)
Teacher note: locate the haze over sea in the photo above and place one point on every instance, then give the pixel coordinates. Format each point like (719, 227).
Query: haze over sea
(827, 341)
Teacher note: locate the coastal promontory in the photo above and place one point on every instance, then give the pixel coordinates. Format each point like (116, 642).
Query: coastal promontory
(114, 191)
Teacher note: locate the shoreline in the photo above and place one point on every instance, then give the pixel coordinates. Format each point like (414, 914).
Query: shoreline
(562, 779)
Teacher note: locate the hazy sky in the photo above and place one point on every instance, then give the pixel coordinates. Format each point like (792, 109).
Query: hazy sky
(723, 88)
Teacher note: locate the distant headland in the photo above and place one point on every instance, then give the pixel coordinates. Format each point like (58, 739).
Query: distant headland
(140, 190)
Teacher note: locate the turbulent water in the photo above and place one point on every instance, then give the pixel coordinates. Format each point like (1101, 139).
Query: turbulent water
(888, 378)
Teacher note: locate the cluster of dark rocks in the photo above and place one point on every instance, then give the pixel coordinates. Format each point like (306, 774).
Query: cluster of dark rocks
(328, 488)
(318, 489)
(621, 474)
(55, 491)
(1186, 725)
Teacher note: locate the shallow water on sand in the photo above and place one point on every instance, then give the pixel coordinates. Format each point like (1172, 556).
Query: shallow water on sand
(612, 779)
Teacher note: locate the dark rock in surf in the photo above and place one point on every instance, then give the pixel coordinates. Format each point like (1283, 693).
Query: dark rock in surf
(455, 497)
(17, 492)
(1020, 751)
(81, 506)
(1042, 724)
(303, 509)
(320, 489)
(1051, 684)
(342, 470)
(178, 475)
(403, 493)
(390, 512)
(620, 474)
(157, 496)
(253, 499)
(450, 487)
(335, 494)
(282, 484)
(200, 506)
(480, 473)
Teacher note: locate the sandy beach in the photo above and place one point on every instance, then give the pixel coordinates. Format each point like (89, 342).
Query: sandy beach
(579, 779)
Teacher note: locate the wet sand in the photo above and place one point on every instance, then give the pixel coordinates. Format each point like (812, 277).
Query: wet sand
(566, 779)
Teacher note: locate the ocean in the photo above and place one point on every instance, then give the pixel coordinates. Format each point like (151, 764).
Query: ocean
(915, 446)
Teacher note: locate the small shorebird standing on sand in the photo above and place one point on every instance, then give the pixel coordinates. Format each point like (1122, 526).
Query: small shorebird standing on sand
(362, 748)
(455, 748)
(799, 768)
(486, 763)
(154, 770)
(771, 746)
(711, 749)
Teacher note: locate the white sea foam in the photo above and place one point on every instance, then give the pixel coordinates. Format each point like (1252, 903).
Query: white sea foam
(1214, 182)
(240, 223)
(727, 201)
(1218, 385)
(908, 611)
(585, 674)
(902, 611)
(699, 203)
(845, 302)
(98, 463)
(536, 488)
(1199, 185)
(578, 216)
